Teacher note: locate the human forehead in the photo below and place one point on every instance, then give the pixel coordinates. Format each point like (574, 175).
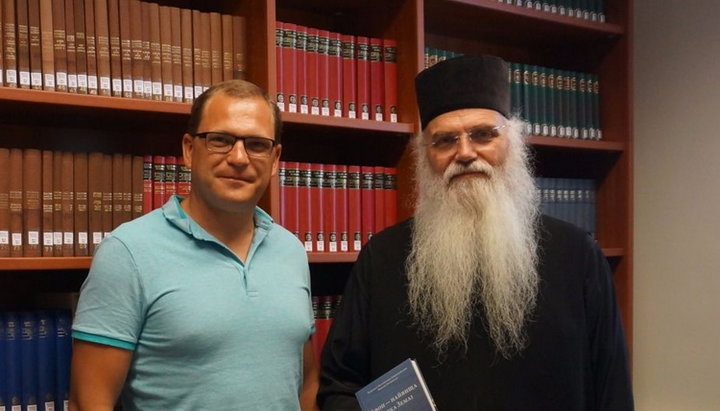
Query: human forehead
(461, 120)
(224, 112)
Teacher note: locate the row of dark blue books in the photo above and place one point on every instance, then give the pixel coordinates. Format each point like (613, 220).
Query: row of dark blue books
(35, 351)
(569, 199)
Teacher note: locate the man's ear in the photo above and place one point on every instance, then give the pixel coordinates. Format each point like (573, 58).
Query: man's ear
(187, 148)
(277, 151)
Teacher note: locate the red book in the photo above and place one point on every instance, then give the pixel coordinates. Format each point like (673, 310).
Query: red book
(363, 77)
(290, 199)
(323, 321)
(289, 65)
(170, 177)
(377, 80)
(311, 71)
(147, 184)
(323, 70)
(304, 205)
(329, 212)
(184, 178)
(317, 207)
(158, 181)
(349, 70)
(390, 191)
(335, 75)
(379, 188)
(282, 193)
(367, 195)
(354, 208)
(390, 72)
(301, 74)
(280, 96)
(341, 206)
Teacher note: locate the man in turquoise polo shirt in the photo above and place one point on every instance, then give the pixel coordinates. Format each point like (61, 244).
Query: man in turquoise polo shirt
(204, 303)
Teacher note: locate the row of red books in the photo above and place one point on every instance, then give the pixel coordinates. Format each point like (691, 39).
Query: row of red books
(127, 48)
(321, 72)
(59, 203)
(336, 208)
(324, 310)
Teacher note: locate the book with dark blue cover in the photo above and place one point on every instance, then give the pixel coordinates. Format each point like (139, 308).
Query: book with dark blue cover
(13, 387)
(28, 358)
(3, 365)
(46, 361)
(63, 352)
(402, 388)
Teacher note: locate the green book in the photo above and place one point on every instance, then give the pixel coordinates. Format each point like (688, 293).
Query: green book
(582, 105)
(535, 101)
(572, 103)
(550, 100)
(528, 98)
(560, 96)
(596, 107)
(516, 89)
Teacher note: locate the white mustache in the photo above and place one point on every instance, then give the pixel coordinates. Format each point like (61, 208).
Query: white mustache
(477, 166)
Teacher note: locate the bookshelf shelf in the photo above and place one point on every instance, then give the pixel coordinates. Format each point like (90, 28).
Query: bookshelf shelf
(44, 263)
(296, 119)
(491, 20)
(540, 141)
(332, 257)
(613, 252)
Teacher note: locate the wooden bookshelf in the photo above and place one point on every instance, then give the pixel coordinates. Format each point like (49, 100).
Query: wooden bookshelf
(55, 120)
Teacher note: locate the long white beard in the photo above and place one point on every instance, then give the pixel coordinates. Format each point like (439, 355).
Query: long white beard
(475, 241)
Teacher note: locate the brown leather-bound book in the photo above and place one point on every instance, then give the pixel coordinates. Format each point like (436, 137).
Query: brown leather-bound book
(215, 29)
(23, 43)
(137, 186)
(70, 52)
(68, 203)
(47, 44)
(58, 45)
(227, 47)
(116, 72)
(198, 85)
(4, 203)
(105, 72)
(126, 187)
(32, 205)
(186, 42)
(91, 47)
(47, 204)
(57, 204)
(125, 49)
(80, 46)
(9, 44)
(95, 204)
(147, 66)
(107, 194)
(136, 47)
(166, 52)
(15, 201)
(117, 189)
(155, 52)
(205, 50)
(176, 53)
(239, 28)
(80, 185)
(35, 45)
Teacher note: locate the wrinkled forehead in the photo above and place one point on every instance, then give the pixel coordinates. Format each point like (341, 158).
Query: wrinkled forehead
(463, 119)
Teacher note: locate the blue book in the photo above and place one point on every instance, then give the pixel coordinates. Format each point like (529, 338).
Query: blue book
(402, 388)
(13, 387)
(46, 361)
(28, 358)
(63, 351)
(3, 365)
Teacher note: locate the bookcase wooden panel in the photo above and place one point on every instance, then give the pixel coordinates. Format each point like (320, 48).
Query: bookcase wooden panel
(55, 120)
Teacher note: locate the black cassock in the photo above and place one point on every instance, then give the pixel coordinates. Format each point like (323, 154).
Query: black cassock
(576, 357)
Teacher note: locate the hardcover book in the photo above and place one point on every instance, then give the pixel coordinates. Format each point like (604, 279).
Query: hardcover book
(401, 388)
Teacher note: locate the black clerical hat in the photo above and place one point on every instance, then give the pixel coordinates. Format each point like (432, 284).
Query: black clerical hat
(463, 82)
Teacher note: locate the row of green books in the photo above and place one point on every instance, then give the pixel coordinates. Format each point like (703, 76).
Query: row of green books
(569, 199)
(593, 10)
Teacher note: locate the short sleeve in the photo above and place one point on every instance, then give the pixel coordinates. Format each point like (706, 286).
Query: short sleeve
(111, 306)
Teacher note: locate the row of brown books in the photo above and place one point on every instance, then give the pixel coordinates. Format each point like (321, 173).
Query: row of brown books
(59, 203)
(127, 48)
(322, 72)
(336, 208)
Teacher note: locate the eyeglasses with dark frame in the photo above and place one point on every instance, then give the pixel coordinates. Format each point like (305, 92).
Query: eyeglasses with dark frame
(222, 143)
(479, 135)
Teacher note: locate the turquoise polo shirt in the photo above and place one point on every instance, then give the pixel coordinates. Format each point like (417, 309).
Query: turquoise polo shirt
(207, 330)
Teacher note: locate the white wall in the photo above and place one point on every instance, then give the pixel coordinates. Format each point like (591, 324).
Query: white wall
(677, 205)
